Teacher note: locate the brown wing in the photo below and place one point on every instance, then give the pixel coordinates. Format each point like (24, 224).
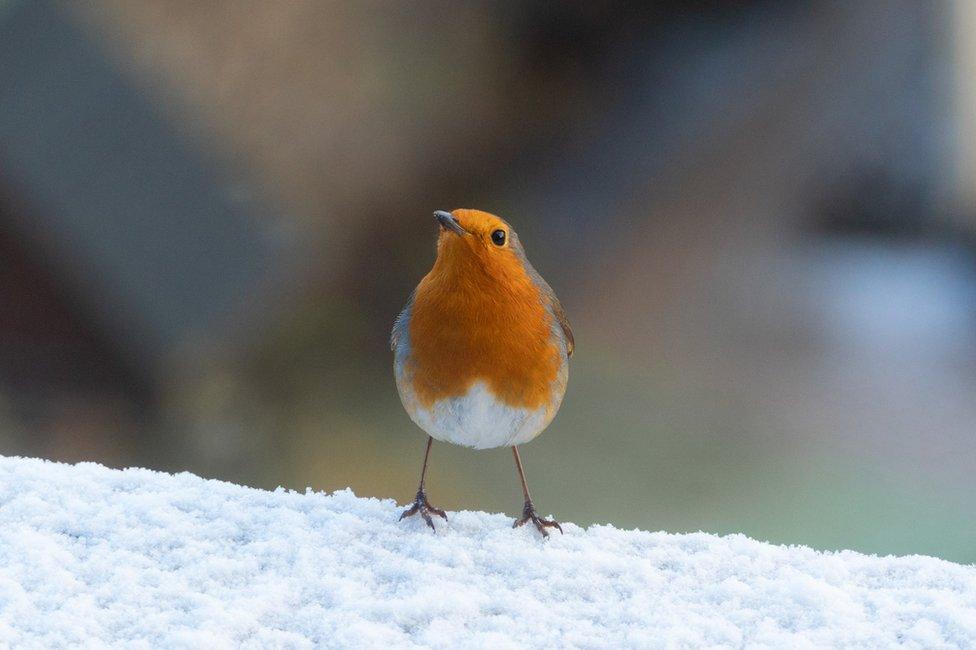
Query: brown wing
(547, 292)
(554, 304)
(560, 314)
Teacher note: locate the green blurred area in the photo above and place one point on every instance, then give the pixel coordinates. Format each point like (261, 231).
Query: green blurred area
(616, 456)
(628, 450)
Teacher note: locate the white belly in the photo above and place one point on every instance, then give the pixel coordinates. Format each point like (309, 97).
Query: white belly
(476, 419)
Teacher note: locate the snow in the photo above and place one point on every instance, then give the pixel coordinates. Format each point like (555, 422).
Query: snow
(96, 557)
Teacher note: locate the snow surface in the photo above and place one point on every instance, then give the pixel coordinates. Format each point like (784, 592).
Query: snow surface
(91, 557)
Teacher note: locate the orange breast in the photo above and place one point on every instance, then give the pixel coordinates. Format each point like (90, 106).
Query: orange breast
(468, 326)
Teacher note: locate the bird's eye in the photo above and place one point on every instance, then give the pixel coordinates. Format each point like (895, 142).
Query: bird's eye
(498, 237)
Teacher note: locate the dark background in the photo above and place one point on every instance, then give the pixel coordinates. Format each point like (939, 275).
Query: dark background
(759, 216)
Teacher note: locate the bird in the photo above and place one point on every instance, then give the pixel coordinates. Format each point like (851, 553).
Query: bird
(481, 350)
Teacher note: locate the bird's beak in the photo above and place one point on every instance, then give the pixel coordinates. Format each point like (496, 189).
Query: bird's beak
(447, 220)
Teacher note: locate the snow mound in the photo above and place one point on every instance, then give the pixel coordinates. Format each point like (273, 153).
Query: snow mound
(91, 556)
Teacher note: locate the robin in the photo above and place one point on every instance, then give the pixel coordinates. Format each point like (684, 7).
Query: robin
(481, 351)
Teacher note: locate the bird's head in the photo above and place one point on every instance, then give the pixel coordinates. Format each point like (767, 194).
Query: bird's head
(472, 240)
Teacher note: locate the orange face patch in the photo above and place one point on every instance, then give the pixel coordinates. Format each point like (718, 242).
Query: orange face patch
(477, 316)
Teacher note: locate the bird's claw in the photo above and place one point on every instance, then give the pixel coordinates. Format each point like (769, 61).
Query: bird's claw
(421, 505)
(528, 514)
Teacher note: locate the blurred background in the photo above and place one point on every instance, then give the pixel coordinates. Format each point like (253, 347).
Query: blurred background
(760, 217)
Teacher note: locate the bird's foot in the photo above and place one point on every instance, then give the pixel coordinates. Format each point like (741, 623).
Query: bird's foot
(528, 514)
(421, 505)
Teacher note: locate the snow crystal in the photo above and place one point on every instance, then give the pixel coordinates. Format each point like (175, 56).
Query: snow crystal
(91, 556)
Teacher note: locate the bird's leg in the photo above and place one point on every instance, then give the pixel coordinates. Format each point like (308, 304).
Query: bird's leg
(528, 510)
(420, 503)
